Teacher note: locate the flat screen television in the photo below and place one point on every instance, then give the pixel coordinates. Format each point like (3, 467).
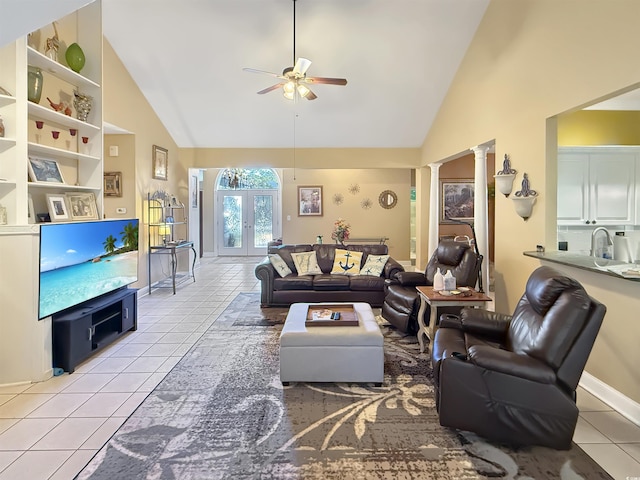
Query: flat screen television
(84, 260)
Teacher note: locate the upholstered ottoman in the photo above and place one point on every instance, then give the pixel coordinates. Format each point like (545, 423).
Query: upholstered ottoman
(331, 354)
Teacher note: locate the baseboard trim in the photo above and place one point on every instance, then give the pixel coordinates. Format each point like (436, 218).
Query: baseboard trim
(622, 404)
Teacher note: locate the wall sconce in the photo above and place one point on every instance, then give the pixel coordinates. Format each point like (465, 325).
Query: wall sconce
(504, 178)
(524, 199)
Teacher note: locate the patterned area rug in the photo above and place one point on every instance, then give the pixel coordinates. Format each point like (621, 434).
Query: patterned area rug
(222, 413)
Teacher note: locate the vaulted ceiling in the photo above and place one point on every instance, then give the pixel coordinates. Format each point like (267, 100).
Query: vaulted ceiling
(187, 57)
(399, 57)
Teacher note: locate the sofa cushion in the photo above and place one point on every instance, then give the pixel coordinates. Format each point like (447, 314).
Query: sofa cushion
(346, 262)
(328, 281)
(366, 283)
(374, 265)
(293, 282)
(306, 263)
(279, 264)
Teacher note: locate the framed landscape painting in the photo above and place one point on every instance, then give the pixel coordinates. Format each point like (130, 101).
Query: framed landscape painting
(457, 200)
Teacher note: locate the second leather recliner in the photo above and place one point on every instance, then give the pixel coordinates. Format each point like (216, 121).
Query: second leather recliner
(401, 302)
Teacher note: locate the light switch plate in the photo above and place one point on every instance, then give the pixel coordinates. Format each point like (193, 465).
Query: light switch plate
(113, 151)
(121, 210)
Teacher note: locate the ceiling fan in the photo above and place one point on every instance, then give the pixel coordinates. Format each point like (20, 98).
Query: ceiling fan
(294, 79)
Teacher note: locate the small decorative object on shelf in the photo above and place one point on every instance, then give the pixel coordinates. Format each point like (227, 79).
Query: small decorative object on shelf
(319, 239)
(75, 57)
(61, 107)
(504, 178)
(340, 231)
(34, 84)
(524, 199)
(85, 147)
(53, 44)
(83, 104)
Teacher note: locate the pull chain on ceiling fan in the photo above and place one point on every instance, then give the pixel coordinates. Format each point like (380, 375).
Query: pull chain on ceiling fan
(294, 79)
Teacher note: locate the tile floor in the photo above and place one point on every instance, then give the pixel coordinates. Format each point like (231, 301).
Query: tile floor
(50, 430)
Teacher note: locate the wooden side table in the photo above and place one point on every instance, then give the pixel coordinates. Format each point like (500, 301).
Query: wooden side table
(428, 296)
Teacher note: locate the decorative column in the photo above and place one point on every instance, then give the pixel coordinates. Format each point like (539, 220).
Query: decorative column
(480, 211)
(434, 202)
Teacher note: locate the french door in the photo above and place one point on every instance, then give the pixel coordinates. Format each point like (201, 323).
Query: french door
(246, 221)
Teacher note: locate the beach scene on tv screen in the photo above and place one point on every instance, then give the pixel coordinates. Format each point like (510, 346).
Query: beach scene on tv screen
(80, 261)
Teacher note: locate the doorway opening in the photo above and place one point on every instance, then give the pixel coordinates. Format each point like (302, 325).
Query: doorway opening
(247, 210)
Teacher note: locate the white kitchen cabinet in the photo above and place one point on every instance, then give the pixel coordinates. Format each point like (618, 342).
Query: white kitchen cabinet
(597, 185)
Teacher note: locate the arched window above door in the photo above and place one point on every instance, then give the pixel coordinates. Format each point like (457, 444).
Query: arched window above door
(248, 179)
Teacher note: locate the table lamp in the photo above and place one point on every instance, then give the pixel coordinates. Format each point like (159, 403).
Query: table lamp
(164, 231)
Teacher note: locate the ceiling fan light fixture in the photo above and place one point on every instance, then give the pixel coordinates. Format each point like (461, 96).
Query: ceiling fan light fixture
(289, 87)
(288, 95)
(303, 91)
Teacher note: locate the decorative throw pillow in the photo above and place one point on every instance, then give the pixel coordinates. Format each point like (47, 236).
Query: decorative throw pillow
(374, 265)
(306, 263)
(346, 262)
(280, 265)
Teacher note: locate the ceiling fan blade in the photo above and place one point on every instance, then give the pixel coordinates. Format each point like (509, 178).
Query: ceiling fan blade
(253, 70)
(326, 80)
(271, 88)
(302, 65)
(311, 96)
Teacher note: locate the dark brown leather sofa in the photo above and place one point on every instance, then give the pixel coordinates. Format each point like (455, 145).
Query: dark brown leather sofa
(513, 378)
(401, 303)
(283, 291)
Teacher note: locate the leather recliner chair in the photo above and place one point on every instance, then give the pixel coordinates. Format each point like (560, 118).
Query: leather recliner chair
(401, 301)
(513, 378)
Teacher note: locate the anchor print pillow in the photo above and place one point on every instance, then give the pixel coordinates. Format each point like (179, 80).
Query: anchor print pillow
(374, 265)
(346, 262)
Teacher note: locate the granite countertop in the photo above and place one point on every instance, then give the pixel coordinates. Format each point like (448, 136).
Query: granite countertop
(614, 268)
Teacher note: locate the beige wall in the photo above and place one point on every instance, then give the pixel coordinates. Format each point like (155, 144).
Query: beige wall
(126, 108)
(303, 157)
(531, 60)
(125, 164)
(365, 222)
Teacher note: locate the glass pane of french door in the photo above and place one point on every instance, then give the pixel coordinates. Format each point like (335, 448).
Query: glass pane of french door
(233, 220)
(247, 224)
(263, 220)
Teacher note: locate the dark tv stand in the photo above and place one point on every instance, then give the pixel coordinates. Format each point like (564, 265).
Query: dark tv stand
(81, 331)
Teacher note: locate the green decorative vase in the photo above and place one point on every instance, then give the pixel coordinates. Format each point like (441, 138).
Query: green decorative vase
(75, 57)
(34, 84)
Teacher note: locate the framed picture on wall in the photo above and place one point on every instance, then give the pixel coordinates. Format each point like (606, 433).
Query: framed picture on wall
(194, 191)
(457, 200)
(112, 184)
(160, 163)
(310, 201)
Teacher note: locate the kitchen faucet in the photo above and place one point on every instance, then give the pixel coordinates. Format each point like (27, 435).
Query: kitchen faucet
(593, 239)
